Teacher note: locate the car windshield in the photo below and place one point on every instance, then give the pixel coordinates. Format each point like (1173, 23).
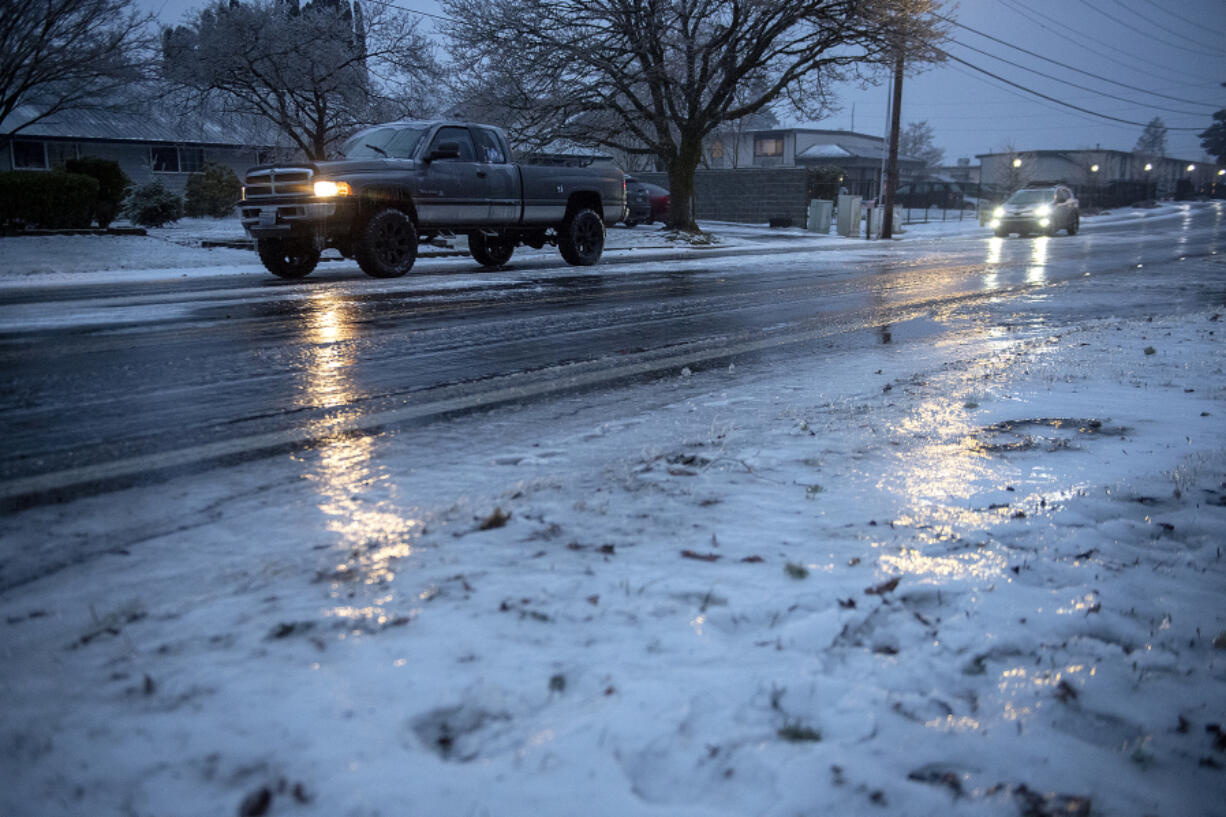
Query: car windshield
(390, 142)
(1031, 197)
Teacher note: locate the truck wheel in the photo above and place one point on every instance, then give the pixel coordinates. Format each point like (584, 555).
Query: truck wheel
(489, 251)
(288, 258)
(1074, 224)
(387, 244)
(581, 238)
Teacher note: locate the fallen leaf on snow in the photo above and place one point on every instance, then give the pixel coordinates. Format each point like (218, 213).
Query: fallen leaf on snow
(702, 557)
(495, 520)
(883, 588)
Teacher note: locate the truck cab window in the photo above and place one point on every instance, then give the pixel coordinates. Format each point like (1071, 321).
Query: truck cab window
(489, 149)
(459, 136)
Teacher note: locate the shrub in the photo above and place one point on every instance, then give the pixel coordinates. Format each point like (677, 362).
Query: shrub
(213, 192)
(152, 205)
(55, 200)
(112, 184)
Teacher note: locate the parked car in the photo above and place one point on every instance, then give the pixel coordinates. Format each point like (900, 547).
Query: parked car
(922, 195)
(645, 202)
(405, 183)
(1045, 210)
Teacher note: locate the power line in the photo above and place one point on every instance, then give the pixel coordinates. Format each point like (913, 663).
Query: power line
(1074, 84)
(1194, 23)
(1060, 102)
(1156, 24)
(1145, 33)
(1069, 67)
(1082, 43)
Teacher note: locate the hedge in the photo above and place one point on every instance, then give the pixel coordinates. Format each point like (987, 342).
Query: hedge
(55, 200)
(213, 192)
(112, 184)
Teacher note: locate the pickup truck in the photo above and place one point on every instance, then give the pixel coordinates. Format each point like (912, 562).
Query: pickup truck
(404, 183)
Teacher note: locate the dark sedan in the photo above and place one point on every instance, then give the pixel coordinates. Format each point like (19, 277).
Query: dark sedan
(645, 202)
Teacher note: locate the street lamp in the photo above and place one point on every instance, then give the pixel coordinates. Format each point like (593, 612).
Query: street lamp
(1148, 167)
(1191, 168)
(1017, 162)
(1221, 172)
(1093, 168)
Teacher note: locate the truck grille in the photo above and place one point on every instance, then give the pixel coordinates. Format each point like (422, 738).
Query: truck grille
(279, 181)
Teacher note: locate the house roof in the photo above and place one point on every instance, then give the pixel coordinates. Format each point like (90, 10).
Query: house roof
(875, 152)
(151, 125)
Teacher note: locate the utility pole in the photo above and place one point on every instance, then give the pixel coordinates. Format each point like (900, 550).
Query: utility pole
(891, 172)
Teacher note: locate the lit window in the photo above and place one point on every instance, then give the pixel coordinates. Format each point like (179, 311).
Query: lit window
(768, 146)
(29, 155)
(717, 149)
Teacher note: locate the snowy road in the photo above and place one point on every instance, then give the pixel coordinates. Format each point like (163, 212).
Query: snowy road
(115, 383)
(926, 529)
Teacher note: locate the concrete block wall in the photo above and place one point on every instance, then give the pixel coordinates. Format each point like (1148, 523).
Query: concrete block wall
(747, 195)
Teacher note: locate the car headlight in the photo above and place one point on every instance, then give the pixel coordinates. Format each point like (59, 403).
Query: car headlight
(326, 189)
(1042, 210)
(999, 212)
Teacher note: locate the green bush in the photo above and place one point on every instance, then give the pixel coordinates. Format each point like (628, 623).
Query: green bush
(55, 200)
(112, 184)
(214, 192)
(152, 205)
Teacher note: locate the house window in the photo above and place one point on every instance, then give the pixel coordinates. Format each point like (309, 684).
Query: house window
(717, 149)
(28, 155)
(176, 160)
(768, 146)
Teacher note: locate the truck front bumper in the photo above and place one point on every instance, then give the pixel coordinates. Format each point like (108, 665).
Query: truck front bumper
(298, 219)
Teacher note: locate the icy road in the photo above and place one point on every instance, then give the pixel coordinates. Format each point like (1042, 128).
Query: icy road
(781, 527)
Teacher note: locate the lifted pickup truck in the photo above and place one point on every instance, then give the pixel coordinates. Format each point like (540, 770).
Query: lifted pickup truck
(408, 182)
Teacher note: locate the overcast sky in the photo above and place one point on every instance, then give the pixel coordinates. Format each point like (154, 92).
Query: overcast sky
(1150, 57)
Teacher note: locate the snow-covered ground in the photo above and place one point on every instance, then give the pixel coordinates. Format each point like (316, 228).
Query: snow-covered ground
(975, 577)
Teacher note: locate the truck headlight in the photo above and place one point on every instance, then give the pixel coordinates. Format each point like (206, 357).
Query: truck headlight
(326, 189)
(999, 212)
(1043, 210)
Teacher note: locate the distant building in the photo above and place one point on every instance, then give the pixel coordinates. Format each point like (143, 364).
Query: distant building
(858, 155)
(155, 145)
(964, 173)
(1111, 175)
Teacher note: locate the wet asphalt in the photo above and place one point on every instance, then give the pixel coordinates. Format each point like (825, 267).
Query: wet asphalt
(112, 384)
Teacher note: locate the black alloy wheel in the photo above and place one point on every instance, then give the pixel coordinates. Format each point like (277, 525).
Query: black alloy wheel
(490, 251)
(387, 246)
(581, 238)
(288, 258)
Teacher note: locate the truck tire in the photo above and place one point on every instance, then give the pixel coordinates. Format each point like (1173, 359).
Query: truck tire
(581, 238)
(387, 244)
(489, 251)
(288, 258)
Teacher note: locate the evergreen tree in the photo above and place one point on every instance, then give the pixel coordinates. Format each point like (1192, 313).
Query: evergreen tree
(1213, 138)
(1153, 139)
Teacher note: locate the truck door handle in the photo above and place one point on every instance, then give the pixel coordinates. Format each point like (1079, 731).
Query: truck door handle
(481, 174)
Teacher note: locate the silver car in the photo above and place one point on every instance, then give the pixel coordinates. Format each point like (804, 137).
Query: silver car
(1043, 210)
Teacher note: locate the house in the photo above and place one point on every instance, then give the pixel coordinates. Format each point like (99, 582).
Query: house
(154, 145)
(861, 157)
(1100, 177)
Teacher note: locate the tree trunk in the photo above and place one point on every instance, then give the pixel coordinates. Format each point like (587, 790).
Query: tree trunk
(681, 185)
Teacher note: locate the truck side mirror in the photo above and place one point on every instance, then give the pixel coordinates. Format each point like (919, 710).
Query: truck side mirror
(444, 150)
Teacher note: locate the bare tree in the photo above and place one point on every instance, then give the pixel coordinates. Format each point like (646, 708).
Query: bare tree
(315, 72)
(68, 55)
(918, 142)
(657, 77)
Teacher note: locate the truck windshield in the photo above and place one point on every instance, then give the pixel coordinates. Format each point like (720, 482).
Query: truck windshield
(396, 142)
